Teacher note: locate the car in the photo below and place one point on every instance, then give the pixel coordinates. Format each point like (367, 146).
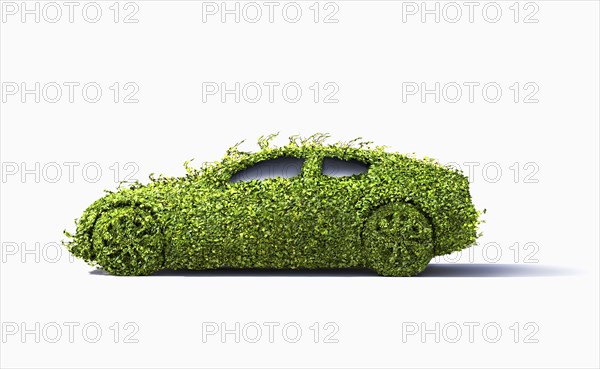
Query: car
(304, 205)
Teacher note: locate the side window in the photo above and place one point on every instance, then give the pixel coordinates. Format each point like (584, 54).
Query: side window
(334, 167)
(284, 167)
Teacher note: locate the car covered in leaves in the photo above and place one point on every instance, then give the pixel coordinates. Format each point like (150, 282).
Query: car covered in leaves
(306, 204)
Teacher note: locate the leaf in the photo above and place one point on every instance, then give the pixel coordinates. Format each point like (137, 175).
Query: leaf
(392, 219)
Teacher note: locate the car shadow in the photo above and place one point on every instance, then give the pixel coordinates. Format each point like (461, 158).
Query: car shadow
(432, 270)
(486, 270)
(255, 272)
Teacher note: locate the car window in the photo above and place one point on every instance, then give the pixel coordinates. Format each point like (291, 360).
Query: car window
(334, 167)
(284, 167)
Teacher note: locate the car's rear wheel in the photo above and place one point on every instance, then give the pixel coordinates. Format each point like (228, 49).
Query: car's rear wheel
(128, 241)
(398, 239)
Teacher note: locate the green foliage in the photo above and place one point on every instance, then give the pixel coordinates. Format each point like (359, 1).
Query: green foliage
(393, 219)
(398, 238)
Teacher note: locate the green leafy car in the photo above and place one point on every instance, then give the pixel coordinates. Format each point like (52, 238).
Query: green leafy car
(303, 205)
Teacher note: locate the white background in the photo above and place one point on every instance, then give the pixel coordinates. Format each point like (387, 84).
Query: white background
(550, 288)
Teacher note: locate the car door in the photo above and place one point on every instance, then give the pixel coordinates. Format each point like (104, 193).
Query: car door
(263, 227)
(339, 184)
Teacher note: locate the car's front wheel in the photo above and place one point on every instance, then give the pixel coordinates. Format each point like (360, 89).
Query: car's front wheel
(128, 241)
(398, 239)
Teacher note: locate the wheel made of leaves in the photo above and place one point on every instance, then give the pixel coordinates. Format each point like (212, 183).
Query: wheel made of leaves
(398, 240)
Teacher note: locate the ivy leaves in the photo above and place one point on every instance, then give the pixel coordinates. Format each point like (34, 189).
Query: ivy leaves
(394, 218)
